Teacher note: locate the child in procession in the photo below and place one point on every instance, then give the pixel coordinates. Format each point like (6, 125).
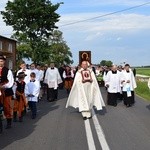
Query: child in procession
(32, 91)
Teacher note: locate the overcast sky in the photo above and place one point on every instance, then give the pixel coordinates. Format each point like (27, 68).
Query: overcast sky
(122, 37)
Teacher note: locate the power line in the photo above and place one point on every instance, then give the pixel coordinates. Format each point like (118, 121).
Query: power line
(108, 14)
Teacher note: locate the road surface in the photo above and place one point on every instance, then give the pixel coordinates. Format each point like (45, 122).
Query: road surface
(58, 128)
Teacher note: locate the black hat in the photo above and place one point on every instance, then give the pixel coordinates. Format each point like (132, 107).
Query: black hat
(127, 65)
(2, 56)
(21, 75)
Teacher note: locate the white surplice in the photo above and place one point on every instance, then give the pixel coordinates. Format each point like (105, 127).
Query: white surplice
(40, 75)
(85, 95)
(52, 78)
(34, 89)
(114, 82)
(128, 76)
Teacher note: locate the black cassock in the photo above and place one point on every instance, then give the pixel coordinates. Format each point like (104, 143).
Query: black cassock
(128, 101)
(112, 99)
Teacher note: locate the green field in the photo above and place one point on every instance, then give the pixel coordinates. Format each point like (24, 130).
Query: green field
(143, 71)
(142, 90)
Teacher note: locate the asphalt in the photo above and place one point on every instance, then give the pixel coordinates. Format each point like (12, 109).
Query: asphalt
(58, 128)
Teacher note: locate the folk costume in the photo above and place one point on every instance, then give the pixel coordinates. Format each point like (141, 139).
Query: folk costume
(27, 72)
(32, 90)
(68, 78)
(129, 84)
(27, 77)
(85, 93)
(113, 84)
(6, 92)
(52, 79)
(20, 100)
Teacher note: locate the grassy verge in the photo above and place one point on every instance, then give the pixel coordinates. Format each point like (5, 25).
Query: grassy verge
(142, 90)
(143, 71)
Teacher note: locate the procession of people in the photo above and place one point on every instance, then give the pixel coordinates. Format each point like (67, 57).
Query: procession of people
(20, 92)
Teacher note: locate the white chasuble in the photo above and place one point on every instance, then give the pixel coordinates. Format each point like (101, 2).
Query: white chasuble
(85, 95)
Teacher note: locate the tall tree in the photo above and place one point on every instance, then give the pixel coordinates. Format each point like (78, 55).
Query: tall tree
(35, 20)
(54, 49)
(60, 52)
(24, 49)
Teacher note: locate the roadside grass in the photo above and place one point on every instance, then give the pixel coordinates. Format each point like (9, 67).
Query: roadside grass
(143, 71)
(142, 90)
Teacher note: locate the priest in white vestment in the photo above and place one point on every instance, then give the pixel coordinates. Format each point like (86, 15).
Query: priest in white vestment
(85, 92)
(129, 84)
(52, 79)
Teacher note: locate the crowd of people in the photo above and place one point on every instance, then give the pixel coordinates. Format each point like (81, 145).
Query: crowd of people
(119, 82)
(21, 90)
(28, 86)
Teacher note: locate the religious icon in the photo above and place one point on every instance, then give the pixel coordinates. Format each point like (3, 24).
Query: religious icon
(85, 56)
(86, 75)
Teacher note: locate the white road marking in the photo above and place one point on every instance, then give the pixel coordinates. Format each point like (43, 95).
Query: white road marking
(100, 132)
(89, 135)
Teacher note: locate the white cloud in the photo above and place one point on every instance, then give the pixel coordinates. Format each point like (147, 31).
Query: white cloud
(4, 30)
(3, 4)
(119, 38)
(98, 3)
(119, 21)
(113, 2)
(93, 36)
(125, 23)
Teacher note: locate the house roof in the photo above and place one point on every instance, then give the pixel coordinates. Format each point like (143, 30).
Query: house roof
(8, 38)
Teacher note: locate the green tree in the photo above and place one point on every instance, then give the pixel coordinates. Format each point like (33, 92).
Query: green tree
(103, 63)
(23, 51)
(109, 63)
(54, 49)
(23, 47)
(35, 18)
(59, 50)
(33, 22)
(106, 63)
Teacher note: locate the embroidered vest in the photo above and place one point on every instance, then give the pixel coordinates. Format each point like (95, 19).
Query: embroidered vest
(4, 80)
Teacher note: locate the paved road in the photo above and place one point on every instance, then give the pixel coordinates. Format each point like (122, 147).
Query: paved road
(57, 128)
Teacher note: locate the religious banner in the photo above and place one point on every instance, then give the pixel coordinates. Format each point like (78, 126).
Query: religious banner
(84, 56)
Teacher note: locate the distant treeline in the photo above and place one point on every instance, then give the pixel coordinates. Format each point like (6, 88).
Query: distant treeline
(142, 67)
